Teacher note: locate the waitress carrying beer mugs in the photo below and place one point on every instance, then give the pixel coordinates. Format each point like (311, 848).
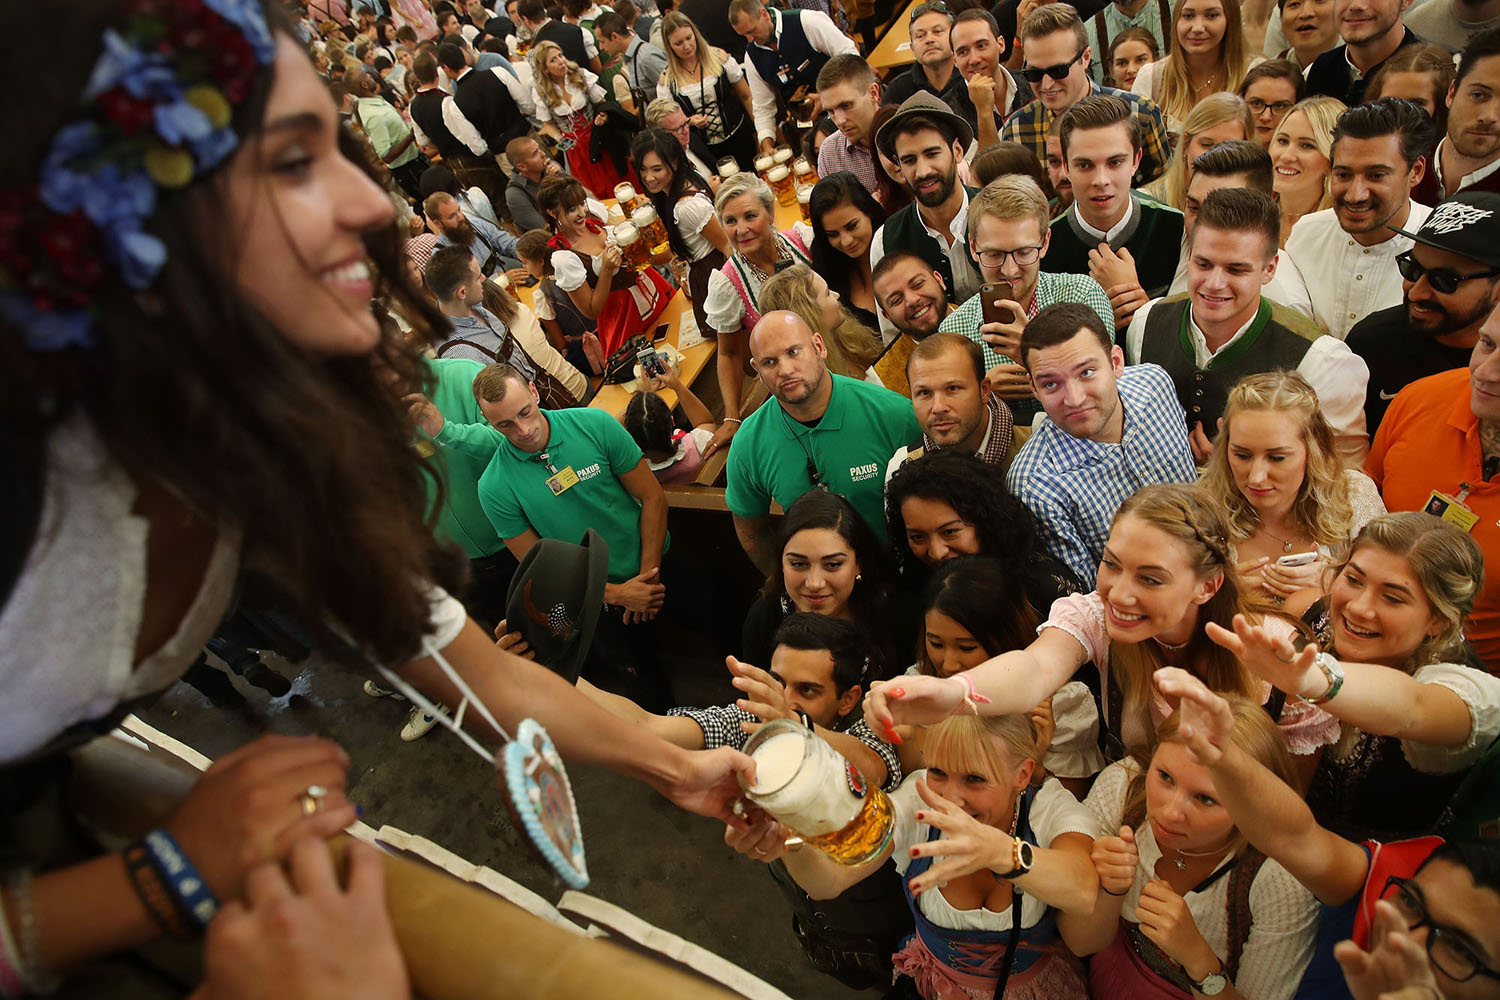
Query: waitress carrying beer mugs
(682, 203)
(997, 873)
(591, 267)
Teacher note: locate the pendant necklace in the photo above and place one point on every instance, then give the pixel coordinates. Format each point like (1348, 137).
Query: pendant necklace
(1181, 865)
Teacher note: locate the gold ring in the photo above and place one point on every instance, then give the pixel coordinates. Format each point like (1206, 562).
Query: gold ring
(312, 799)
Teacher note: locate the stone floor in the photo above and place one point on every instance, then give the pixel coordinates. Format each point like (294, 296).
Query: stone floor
(667, 866)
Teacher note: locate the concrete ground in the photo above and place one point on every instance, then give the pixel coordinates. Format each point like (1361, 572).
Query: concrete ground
(669, 867)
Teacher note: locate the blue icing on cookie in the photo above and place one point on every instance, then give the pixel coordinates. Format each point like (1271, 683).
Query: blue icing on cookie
(543, 799)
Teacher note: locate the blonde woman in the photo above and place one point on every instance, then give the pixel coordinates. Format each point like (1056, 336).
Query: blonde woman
(852, 346)
(1207, 54)
(1284, 491)
(1302, 157)
(987, 925)
(568, 96)
(1215, 119)
(711, 88)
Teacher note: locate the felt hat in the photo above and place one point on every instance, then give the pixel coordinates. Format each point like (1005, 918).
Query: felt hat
(927, 105)
(555, 599)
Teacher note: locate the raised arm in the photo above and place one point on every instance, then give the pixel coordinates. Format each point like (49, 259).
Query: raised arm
(1380, 700)
(1272, 816)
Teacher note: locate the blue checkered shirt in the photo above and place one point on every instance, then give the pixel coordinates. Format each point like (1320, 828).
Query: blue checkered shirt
(1074, 485)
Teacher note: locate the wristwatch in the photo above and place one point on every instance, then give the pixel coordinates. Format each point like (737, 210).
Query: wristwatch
(1024, 854)
(1333, 673)
(1213, 984)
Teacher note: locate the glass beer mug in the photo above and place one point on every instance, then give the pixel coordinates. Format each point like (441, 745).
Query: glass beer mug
(804, 202)
(728, 167)
(809, 786)
(780, 179)
(632, 247)
(803, 171)
(782, 157)
(653, 231)
(764, 163)
(625, 195)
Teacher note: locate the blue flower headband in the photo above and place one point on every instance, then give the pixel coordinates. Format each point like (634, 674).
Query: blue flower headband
(155, 114)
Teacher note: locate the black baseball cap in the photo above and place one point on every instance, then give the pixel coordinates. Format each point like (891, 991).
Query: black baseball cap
(1465, 224)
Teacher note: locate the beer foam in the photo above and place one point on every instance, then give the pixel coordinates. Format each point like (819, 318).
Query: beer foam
(776, 760)
(808, 791)
(776, 174)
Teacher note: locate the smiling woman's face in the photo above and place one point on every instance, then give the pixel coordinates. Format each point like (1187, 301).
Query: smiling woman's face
(297, 212)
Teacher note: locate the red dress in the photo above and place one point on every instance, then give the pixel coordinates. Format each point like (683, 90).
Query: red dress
(577, 128)
(636, 300)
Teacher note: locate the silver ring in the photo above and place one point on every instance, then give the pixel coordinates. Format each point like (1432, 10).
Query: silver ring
(757, 850)
(312, 799)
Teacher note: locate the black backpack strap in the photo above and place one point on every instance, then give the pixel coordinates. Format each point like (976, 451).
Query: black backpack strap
(465, 343)
(1237, 907)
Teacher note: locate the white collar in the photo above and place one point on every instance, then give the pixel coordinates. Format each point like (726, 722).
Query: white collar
(1200, 342)
(958, 229)
(1467, 180)
(1115, 230)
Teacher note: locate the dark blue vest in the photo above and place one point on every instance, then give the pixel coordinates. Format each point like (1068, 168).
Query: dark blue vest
(792, 64)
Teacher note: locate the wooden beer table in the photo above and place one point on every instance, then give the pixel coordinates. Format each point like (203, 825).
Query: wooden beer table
(895, 48)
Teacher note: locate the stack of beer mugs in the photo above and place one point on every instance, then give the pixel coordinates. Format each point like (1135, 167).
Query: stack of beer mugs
(763, 165)
(632, 247)
(780, 179)
(653, 231)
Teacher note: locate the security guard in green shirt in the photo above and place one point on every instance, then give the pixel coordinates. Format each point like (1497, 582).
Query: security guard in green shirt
(822, 431)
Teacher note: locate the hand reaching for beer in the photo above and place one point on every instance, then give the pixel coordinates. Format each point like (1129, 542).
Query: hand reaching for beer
(918, 700)
(764, 839)
(967, 845)
(764, 696)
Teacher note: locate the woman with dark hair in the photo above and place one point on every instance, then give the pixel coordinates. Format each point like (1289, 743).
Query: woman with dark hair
(385, 39)
(684, 204)
(844, 219)
(893, 192)
(130, 497)
(1010, 158)
(1271, 90)
(828, 562)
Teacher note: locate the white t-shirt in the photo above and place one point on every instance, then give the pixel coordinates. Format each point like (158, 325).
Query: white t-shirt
(1054, 812)
(1284, 913)
(1480, 691)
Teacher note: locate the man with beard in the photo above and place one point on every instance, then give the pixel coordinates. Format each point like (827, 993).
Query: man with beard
(933, 69)
(1372, 31)
(989, 94)
(953, 403)
(912, 298)
(494, 248)
(1450, 282)
(1347, 254)
(1468, 158)
(823, 431)
(927, 140)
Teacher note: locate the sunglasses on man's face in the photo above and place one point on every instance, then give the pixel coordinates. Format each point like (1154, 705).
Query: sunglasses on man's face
(1034, 74)
(1444, 280)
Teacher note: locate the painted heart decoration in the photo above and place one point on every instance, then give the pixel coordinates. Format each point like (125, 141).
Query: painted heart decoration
(541, 800)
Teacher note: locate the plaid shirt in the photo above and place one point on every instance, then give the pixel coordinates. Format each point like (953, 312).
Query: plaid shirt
(721, 728)
(1050, 289)
(1074, 485)
(837, 154)
(1029, 127)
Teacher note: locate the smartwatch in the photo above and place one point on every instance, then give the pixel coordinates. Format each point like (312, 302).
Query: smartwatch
(1333, 673)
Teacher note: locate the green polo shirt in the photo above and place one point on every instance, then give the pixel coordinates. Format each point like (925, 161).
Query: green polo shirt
(514, 494)
(461, 519)
(859, 432)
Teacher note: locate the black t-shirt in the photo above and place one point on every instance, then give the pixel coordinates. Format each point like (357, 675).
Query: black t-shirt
(913, 81)
(1397, 356)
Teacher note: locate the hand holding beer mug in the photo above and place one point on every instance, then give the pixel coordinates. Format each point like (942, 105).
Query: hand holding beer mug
(811, 788)
(625, 195)
(653, 231)
(780, 179)
(632, 247)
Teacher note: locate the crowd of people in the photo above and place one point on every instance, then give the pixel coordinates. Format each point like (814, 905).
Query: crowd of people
(1116, 434)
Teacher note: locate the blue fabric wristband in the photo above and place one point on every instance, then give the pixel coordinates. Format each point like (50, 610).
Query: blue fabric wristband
(194, 898)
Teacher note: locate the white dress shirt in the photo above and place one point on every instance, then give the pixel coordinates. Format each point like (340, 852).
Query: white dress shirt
(1338, 375)
(1345, 281)
(463, 130)
(1286, 287)
(822, 34)
(1466, 181)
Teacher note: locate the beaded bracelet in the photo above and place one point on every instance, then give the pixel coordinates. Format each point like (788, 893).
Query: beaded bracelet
(38, 978)
(153, 892)
(194, 899)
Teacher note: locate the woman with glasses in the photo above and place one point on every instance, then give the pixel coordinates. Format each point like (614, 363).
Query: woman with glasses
(1207, 54)
(1388, 663)
(1271, 90)
(1394, 899)
(711, 88)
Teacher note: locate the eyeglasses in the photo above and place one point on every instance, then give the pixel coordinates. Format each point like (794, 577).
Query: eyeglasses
(1034, 74)
(931, 7)
(1444, 280)
(1449, 953)
(1023, 256)
(1259, 107)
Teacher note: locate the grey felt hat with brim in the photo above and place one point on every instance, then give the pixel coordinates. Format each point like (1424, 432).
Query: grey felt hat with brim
(929, 106)
(555, 599)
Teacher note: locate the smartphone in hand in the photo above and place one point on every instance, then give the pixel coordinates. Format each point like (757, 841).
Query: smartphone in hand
(990, 306)
(1298, 559)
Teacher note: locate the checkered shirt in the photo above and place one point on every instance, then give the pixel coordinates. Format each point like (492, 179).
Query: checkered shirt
(1029, 127)
(837, 154)
(1074, 486)
(721, 728)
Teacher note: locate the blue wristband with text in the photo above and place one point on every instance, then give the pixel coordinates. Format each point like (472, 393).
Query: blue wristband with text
(194, 898)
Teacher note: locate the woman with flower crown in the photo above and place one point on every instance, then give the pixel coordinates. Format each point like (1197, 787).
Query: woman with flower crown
(195, 392)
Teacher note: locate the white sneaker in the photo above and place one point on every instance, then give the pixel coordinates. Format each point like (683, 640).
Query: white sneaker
(376, 691)
(418, 723)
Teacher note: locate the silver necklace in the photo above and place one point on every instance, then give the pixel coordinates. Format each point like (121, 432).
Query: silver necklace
(1181, 865)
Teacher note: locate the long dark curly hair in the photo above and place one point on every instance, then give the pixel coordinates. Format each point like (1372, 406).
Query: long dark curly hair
(309, 456)
(842, 188)
(976, 491)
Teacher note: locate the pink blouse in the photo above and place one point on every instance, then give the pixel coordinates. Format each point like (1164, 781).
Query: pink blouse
(1305, 727)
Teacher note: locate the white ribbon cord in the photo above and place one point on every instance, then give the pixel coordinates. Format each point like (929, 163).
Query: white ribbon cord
(456, 722)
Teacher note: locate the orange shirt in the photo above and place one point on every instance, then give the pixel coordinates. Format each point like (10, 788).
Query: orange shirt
(1429, 440)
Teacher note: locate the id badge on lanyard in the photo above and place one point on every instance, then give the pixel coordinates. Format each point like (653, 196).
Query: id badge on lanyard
(1452, 508)
(561, 480)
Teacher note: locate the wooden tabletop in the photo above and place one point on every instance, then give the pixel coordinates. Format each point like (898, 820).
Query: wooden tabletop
(614, 398)
(895, 48)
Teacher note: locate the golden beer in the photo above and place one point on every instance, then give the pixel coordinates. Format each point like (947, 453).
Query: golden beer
(632, 247)
(780, 179)
(503, 280)
(728, 167)
(804, 202)
(626, 196)
(809, 786)
(652, 230)
(782, 157)
(763, 165)
(803, 172)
